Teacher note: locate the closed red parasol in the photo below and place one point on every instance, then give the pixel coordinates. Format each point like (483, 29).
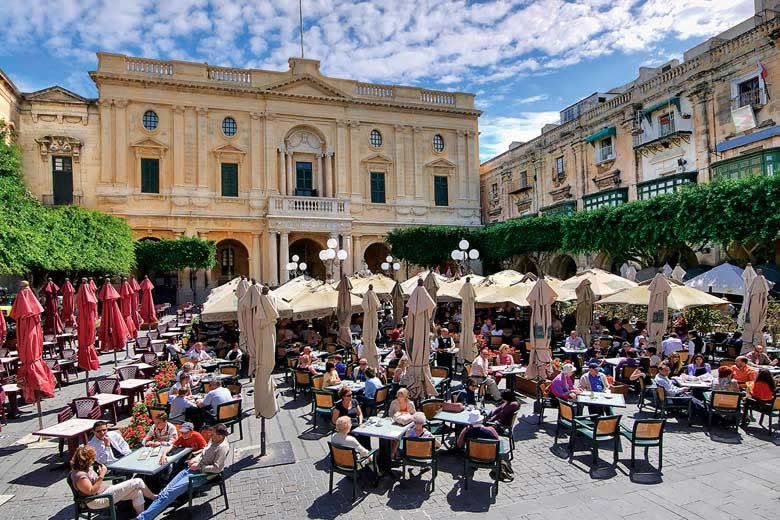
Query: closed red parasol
(86, 303)
(147, 302)
(3, 328)
(34, 376)
(136, 294)
(53, 324)
(113, 330)
(68, 319)
(126, 307)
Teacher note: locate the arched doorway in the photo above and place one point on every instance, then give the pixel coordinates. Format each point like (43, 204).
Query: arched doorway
(308, 251)
(604, 262)
(683, 255)
(563, 267)
(232, 261)
(375, 254)
(525, 265)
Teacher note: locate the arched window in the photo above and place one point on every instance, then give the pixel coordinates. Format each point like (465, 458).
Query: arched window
(227, 261)
(375, 138)
(438, 143)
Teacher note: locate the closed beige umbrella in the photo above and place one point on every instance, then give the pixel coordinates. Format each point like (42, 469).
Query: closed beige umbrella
(344, 312)
(250, 302)
(757, 305)
(243, 315)
(398, 304)
(658, 309)
(585, 300)
(432, 285)
(747, 276)
(418, 326)
(264, 317)
(370, 327)
(468, 350)
(541, 299)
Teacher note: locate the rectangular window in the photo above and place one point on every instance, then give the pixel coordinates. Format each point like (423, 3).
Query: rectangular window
(150, 176)
(665, 124)
(304, 180)
(559, 167)
(494, 190)
(62, 180)
(378, 187)
(605, 150)
(229, 180)
(523, 180)
(605, 198)
(562, 208)
(664, 185)
(765, 162)
(749, 92)
(440, 191)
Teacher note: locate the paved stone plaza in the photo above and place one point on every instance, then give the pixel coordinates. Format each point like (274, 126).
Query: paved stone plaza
(723, 476)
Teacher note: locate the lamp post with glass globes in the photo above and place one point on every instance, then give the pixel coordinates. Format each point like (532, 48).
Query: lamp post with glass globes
(390, 266)
(331, 255)
(463, 256)
(295, 268)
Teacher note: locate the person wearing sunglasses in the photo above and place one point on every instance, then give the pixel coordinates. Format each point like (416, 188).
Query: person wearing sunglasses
(109, 446)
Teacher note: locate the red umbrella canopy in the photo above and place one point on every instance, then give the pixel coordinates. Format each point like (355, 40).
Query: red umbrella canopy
(113, 329)
(34, 376)
(126, 308)
(53, 324)
(136, 292)
(86, 303)
(68, 319)
(3, 328)
(93, 286)
(148, 313)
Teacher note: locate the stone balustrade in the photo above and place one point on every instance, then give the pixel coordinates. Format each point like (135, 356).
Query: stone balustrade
(308, 207)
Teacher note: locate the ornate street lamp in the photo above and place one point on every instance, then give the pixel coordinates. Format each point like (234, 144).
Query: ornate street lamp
(296, 268)
(330, 256)
(390, 266)
(463, 256)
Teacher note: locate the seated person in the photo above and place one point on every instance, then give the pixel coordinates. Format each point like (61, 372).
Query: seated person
(235, 354)
(198, 352)
(401, 405)
(344, 439)
(699, 367)
(641, 341)
(676, 368)
(387, 320)
(372, 383)
(468, 396)
(208, 406)
(481, 374)
(477, 430)
(396, 355)
(188, 438)
(175, 350)
(674, 393)
(399, 376)
(88, 482)
(741, 372)
(574, 341)
(348, 407)
(724, 380)
(331, 377)
(594, 381)
(503, 413)
(735, 341)
(184, 383)
(417, 431)
(671, 344)
(162, 433)
(758, 357)
(211, 461)
(655, 359)
(625, 362)
(562, 385)
(360, 373)
(109, 446)
(341, 368)
(762, 395)
(306, 361)
(179, 404)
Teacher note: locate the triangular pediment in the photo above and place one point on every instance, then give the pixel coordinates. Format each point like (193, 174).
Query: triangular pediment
(56, 94)
(440, 163)
(150, 143)
(378, 158)
(228, 148)
(306, 85)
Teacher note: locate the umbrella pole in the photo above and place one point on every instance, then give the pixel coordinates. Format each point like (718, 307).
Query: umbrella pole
(115, 362)
(40, 414)
(262, 436)
(86, 380)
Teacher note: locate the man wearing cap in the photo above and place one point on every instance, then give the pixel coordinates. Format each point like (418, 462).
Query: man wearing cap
(188, 438)
(211, 462)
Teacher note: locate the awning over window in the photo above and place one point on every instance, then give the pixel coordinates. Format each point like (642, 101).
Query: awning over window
(601, 134)
(674, 100)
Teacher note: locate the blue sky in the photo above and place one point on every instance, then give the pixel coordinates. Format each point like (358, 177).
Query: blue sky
(525, 59)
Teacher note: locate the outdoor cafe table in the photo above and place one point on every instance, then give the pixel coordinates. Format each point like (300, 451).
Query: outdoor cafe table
(143, 462)
(509, 372)
(460, 418)
(212, 364)
(355, 386)
(11, 363)
(12, 391)
(692, 383)
(601, 399)
(386, 431)
(131, 387)
(110, 401)
(71, 430)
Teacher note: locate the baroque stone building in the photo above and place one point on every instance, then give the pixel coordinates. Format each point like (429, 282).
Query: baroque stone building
(713, 114)
(266, 164)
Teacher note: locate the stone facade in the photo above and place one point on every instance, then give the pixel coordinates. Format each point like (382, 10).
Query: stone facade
(674, 124)
(308, 157)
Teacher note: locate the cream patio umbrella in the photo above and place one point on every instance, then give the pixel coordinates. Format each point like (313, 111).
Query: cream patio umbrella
(468, 296)
(678, 273)
(370, 328)
(411, 284)
(382, 285)
(264, 317)
(756, 305)
(398, 304)
(418, 326)
(602, 283)
(585, 300)
(344, 312)
(722, 279)
(318, 301)
(541, 299)
(242, 314)
(658, 309)
(497, 295)
(748, 275)
(223, 305)
(449, 290)
(680, 297)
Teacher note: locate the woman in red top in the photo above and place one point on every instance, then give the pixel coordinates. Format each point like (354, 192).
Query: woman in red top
(761, 395)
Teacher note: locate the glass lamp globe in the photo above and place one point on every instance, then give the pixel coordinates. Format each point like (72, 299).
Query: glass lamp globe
(295, 258)
(397, 266)
(323, 255)
(385, 266)
(342, 254)
(303, 266)
(455, 254)
(389, 259)
(333, 243)
(473, 254)
(464, 244)
(331, 254)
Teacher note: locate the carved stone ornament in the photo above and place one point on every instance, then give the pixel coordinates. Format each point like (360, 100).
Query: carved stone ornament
(562, 193)
(60, 145)
(607, 180)
(523, 204)
(304, 141)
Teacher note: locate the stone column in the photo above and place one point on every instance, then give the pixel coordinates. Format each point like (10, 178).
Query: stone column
(419, 185)
(284, 257)
(203, 174)
(120, 120)
(462, 171)
(290, 175)
(106, 148)
(357, 253)
(271, 157)
(280, 171)
(271, 262)
(341, 159)
(320, 185)
(256, 153)
(472, 166)
(354, 156)
(349, 268)
(399, 162)
(178, 146)
(328, 174)
(701, 140)
(255, 263)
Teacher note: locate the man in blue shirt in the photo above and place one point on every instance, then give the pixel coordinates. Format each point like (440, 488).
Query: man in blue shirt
(372, 383)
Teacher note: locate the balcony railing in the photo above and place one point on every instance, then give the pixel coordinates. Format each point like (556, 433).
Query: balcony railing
(751, 97)
(308, 207)
(658, 131)
(48, 200)
(146, 66)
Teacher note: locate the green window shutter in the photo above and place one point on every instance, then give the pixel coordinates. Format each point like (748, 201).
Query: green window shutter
(441, 197)
(304, 180)
(378, 187)
(229, 180)
(150, 176)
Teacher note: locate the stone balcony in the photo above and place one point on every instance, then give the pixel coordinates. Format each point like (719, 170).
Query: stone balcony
(308, 207)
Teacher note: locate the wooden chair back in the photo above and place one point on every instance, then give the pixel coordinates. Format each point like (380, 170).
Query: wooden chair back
(162, 396)
(323, 399)
(517, 358)
(627, 371)
(317, 381)
(381, 394)
(607, 425)
(727, 362)
(154, 412)
(331, 348)
(440, 372)
(653, 371)
(234, 387)
(660, 392)
(343, 458)
(303, 378)
(496, 341)
(229, 410)
(419, 449)
(228, 370)
(725, 400)
(683, 356)
(565, 410)
(649, 429)
(776, 403)
(292, 363)
(482, 450)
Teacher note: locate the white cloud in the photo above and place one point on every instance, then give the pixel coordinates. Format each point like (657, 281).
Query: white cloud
(497, 132)
(531, 99)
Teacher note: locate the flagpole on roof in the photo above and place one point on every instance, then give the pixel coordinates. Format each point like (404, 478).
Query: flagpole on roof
(300, 16)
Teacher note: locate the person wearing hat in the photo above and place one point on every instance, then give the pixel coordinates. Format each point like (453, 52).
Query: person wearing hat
(188, 438)
(562, 385)
(211, 462)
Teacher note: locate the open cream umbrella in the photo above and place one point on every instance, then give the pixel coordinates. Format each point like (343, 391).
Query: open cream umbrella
(449, 290)
(678, 273)
(541, 299)
(468, 350)
(398, 304)
(319, 301)
(370, 327)
(382, 285)
(585, 300)
(602, 283)
(344, 312)
(757, 305)
(264, 317)
(418, 326)
(748, 275)
(490, 294)
(680, 297)
(658, 309)
(411, 284)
